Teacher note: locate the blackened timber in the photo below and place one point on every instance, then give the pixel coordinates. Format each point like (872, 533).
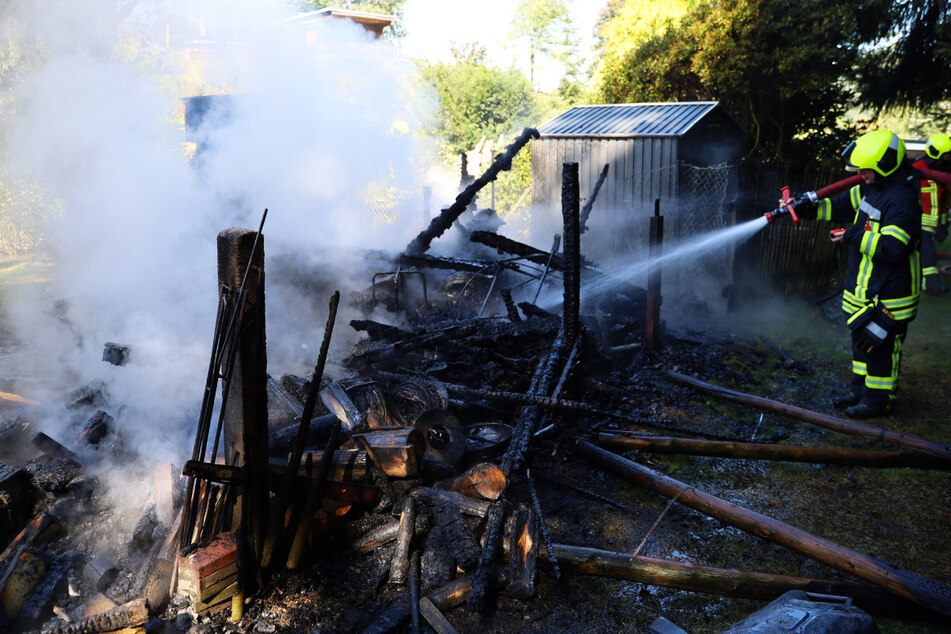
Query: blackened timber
(571, 308)
(522, 544)
(399, 566)
(464, 503)
(437, 563)
(829, 422)
(768, 451)
(293, 464)
(510, 310)
(426, 261)
(457, 532)
(447, 216)
(376, 330)
(301, 529)
(513, 247)
(542, 382)
(281, 440)
(589, 203)
(903, 583)
(473, 332)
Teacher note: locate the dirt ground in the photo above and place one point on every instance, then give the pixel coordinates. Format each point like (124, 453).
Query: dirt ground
(900, 516)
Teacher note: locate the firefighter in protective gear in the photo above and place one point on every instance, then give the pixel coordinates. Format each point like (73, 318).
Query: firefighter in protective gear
(883, 276)
(934, 210)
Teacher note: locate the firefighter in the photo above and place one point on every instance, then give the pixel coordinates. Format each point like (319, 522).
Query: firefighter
(883, 276)
(934, 210)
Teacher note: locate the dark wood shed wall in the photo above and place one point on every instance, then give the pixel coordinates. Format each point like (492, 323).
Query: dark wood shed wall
(641, 170)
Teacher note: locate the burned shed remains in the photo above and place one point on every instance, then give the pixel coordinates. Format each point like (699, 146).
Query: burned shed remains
(683, 154)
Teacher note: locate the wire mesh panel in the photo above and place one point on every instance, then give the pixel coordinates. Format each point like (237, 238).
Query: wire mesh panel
(703, 211)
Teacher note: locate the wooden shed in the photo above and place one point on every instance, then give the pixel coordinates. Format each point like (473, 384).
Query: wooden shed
(683, 154)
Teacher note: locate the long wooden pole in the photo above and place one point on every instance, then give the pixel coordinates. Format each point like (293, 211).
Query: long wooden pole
(710, 580)
(767, 451)
(822, 420)
(903, 583)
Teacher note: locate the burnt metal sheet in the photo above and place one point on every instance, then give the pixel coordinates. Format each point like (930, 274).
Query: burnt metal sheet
(628, 120)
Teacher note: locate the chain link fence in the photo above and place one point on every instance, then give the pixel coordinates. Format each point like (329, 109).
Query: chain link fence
(703, 209)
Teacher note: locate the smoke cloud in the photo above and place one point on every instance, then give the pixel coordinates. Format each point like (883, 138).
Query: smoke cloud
(322, 136)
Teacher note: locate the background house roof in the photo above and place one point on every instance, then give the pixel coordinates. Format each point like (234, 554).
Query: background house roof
(628, 120)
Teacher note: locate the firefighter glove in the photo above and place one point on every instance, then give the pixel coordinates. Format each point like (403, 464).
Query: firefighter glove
(941, 234)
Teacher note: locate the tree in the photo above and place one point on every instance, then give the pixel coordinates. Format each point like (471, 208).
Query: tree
(543, 24)
(770, 63)
(475, 101)
(909, 54)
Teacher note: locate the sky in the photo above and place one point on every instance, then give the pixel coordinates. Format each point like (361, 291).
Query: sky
(433, 25)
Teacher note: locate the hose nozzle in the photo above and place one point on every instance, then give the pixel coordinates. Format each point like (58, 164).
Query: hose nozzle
(786, 206)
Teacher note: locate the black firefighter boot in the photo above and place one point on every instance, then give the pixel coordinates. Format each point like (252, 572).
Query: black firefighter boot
(853, 396)
(873, 403)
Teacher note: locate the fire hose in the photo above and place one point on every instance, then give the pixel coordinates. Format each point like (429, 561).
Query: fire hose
(787, 204)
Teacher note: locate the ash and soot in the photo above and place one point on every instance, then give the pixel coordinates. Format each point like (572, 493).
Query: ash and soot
(428, 425)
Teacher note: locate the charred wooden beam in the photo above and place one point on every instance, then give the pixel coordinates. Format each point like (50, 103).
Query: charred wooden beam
(427, 261)
(465, 549)
(276, 518)
(514, 247)
(589, 203)
(829, 422)
(387, 532)
(447, 216)
(464, 503)
(399, 567)
(903, 583)
(767, 451)
(542, 382)
(52, 448)
(280, 441)
(510, 308)
(571, 307)
(438, 565)
(521, 542)
(377, 330)
(301, 528)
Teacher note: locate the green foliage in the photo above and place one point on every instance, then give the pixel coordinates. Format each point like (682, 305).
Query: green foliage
(909, 54)
(546, 26)
(770, 63)
(475, 101)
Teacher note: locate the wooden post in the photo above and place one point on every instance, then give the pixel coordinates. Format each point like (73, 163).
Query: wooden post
(572, 251)
(903, 583)
(655, 250)
(245, 416)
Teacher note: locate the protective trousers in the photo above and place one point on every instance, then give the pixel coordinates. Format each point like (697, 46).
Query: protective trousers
(929, 255)
(878, 369)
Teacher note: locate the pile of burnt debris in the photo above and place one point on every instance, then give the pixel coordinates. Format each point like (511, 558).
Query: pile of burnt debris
(415, 491)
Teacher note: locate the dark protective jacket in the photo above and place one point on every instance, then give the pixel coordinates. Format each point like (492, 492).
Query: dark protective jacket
(934, 200)
(883, 243)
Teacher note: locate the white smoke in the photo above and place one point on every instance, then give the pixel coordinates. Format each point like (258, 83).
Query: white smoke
(97, 124)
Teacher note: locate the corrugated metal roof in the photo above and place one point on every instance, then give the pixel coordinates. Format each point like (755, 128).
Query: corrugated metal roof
(628, 120)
